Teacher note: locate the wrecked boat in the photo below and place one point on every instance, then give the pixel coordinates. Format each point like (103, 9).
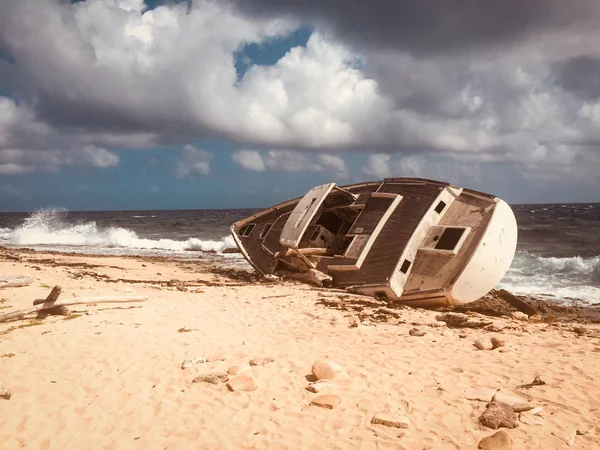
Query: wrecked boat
(410, 240)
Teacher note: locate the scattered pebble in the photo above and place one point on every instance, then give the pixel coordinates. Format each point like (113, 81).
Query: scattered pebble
(317, 386)
(395, 421)
(497, 415)
(518, 315)
(192, 362)
(416, 332)
(236, 370)
(214, 378)
(498, 342)
(324, 370)
(483, 344)
(261, 361)
(355, 323)
(326, 401)
(242, 383)
(500, 440)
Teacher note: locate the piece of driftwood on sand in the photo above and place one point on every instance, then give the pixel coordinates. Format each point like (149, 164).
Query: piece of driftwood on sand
(515, 301)
(81, 301)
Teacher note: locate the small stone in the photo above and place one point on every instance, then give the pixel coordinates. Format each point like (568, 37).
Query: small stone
(518, 404)
(317, 386)
(192, 362)
(355, 323)
(500, 440)
(483, 344)
(395, 421)
(326, 401)
(497, 342)
(447, 333)
(214, 378)
(5, 393)
(567, 436)
(494, 328)
(462, 335)
(261, 361)
(236, 370)
(497, 415)
(324, 370)
(518, 315)
(436, 324)
(242, 383)
(416, 332)
(481, 394)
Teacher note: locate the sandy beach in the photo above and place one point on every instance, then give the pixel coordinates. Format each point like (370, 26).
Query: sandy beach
(111, 376)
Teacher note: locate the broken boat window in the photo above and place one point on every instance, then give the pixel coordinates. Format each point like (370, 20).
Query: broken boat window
(405, 266)
(449, 238)
(440, 207)
(265, 230)
(247, 229)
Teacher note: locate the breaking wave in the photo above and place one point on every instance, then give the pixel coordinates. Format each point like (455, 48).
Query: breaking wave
(563, 279)
(48, 228)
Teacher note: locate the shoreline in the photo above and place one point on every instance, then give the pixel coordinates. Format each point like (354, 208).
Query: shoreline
(111, 375)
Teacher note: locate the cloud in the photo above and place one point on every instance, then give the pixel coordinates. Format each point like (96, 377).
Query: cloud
(193, 162)
(471, 84)
(290, 161)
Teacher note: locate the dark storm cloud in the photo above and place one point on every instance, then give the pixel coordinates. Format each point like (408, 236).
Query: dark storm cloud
(432, 26)
(581, 76)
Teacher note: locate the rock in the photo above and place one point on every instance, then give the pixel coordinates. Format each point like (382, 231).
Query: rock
(5, 393)
(326, 401)
(395, 421)
(261, 361)
(447, 333)
(242, 383)
(317, 386)
(458, 320)
(497, 415)
(500, 440)
(236, 370)
(436, 324)
(498, 342)
(531, 419)
(214, 378)
(355, 323)
(494, 328)
(483, 344)
(481, 394)
(518, 315)
(518, 404)
(416, 332)
(192, 362)
(324, 370)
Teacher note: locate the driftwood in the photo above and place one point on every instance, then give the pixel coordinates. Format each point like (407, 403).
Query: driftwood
(82, 301)
(313, 276)
(515, 301)
(15, 281)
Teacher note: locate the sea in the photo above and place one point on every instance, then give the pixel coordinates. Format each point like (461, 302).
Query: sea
(557, 259)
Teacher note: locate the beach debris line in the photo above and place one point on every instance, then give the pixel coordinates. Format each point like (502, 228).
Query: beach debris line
(52, 302)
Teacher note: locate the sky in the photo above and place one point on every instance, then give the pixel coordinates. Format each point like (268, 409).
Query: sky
(121, 104)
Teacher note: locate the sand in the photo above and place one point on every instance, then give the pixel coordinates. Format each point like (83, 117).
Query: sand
(110, 376)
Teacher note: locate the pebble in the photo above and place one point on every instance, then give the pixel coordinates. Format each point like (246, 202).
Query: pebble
(326, 401)
(447, 333)
(497, 415)
(261, 361)
(498, 342)
(481, 394)
(500, 440)
(214, 378)
(236, 370)
(484, 344)
(324, 370)
(242, 383)
(395, 421)
(192, 362)
(5, 393)
(518, 315)
(416, 332)
(317, 386)
(518, 404)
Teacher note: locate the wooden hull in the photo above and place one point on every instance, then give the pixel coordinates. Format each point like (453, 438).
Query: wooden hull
(416, 241)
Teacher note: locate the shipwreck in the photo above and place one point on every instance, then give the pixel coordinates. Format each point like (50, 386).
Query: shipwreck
(415, 241)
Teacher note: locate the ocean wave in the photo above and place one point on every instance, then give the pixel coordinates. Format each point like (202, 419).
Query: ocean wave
(49, 228)
(563, 279)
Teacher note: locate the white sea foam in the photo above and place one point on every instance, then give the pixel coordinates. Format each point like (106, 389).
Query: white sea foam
(47, 229)
(562, 279)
